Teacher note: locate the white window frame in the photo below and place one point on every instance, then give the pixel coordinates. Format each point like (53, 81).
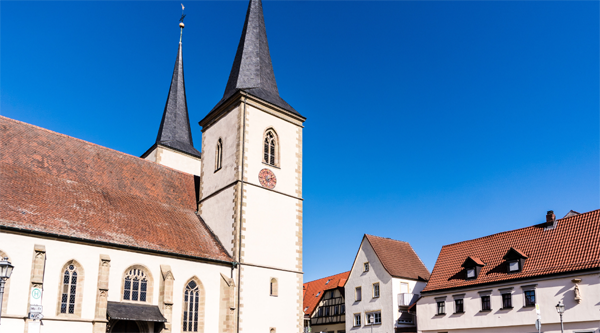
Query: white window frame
(376, 294)
(357, 319)
(366, 267)
(374, 313)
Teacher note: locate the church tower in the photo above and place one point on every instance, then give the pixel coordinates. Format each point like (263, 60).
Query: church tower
(251, 186)
(174, 146)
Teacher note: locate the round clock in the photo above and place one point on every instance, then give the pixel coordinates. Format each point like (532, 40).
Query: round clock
(267, 178)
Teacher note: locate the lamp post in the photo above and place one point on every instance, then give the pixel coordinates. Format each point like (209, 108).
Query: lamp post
(372, 320)
(5, 272)
(560, 308)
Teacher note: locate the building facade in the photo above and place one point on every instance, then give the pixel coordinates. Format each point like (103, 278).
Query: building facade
(179, 240)
(386, 278)
(507, 281)
(324, 304)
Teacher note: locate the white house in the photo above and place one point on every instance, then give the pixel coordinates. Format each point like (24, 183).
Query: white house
(505, 282)
(386, 278)
(176, 241)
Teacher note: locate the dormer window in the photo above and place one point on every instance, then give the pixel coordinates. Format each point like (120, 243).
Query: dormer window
(471, 273)
(472, 267)
(514, 260)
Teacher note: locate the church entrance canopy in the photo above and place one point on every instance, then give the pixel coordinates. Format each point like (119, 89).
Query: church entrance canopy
(134, 312)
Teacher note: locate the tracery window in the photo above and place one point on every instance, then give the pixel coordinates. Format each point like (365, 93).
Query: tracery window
(270, 148)
(190, 307)
(218, 155)
(135, 285)
(69, 290)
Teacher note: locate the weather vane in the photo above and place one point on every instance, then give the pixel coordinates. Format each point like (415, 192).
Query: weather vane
(182, 14)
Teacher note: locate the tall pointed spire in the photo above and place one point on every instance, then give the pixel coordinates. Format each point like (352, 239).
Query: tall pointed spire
(175, 131)
(252, 70)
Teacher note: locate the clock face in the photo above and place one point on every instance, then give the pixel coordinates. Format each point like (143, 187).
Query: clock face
(267, 178)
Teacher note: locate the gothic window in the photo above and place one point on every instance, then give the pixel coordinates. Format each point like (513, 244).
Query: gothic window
(270, 148)
(193, 305)
(274, 287)
(136, 285)
(218, 155)
(69, 290)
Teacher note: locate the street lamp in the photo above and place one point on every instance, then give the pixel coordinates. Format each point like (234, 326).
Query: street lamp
(372, 320)
(560, 308)
(5, 272)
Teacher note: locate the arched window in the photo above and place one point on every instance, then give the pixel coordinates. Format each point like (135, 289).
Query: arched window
(270, 148)
(274, 287)
(70, 289)
(193, 306)
(6, 286)
(137, 285)
(218, 155)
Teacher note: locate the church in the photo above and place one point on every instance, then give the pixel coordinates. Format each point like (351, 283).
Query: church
(179, 240)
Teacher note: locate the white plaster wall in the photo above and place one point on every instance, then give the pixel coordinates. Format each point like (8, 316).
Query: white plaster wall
(414, 287)
(152, 156)
(226, 129)
(179, 161)
(20, 249)
(260, 311)
(548, 294)
(365, 280)
(217, 212)
(270, 229)
(258, 122)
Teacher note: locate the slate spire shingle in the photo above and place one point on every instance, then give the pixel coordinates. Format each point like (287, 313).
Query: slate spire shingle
(175, 131)
(252, 70)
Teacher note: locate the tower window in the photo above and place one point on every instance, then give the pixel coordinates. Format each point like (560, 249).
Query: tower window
(270, 148)
(274, 287)
(218, 155)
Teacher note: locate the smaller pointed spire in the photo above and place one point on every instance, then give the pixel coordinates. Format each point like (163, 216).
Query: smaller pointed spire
(175, 131)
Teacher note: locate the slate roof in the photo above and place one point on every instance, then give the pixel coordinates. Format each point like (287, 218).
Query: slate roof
(252, 70)
(572, 245)
(398, 258)
(175, 131)
(55, 184)
(314, 290)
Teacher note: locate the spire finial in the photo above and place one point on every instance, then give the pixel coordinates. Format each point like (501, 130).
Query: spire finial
(181, 25)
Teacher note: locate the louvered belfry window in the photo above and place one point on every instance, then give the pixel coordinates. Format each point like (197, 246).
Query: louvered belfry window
(190, 307)
(136, 285)
(67, 302)
(270, 148)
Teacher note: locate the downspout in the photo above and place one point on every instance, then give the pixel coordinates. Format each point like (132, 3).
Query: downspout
(241, 206)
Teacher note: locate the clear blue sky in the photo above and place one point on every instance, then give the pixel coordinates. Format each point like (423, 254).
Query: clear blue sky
(428, 122)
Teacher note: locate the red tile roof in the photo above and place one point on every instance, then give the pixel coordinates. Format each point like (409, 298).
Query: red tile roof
(314, 290)
(398, 258)
(56, 184)
(572, 245)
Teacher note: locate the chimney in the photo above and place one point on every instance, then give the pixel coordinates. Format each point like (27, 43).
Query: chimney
(550, 218)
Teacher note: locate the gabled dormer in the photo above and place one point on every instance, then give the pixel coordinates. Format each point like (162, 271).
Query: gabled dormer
(472, 266)
(515, 260)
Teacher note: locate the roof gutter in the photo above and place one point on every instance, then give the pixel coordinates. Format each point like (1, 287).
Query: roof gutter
(128, 247)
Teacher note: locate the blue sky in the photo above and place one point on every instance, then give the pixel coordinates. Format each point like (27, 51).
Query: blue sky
(428, 122)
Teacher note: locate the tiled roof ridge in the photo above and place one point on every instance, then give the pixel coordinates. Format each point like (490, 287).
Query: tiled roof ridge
(395, 240)
(327, 277)
(94, 144)
(514, 230)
